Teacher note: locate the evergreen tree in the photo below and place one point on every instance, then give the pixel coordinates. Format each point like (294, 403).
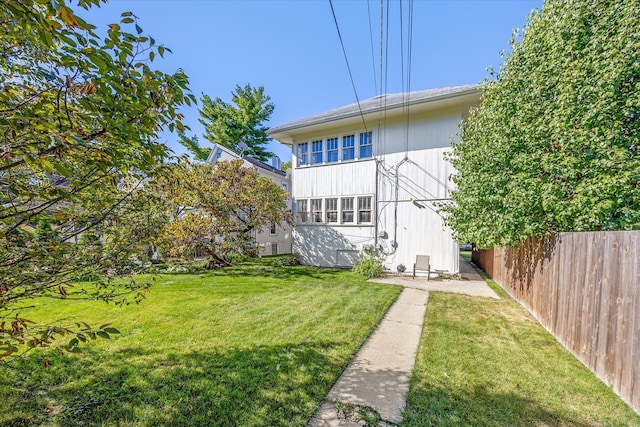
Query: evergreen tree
(241, 122)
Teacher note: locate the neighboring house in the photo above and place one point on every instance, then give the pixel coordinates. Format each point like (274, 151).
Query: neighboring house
(369, 176)
(277, 238)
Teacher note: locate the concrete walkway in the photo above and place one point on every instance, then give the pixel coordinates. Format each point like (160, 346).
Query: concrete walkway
(378, 377)
(470, 283)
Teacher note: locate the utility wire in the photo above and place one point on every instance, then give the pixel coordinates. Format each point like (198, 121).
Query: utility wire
(347, 61)
(373, 56)
(409, 56)
(405, 92)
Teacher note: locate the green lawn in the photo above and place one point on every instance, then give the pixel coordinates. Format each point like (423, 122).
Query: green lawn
(256, 345)
(484, 362)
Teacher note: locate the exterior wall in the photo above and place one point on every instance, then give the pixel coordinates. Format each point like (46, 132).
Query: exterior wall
(339, 244)
(282, 238)
(264, 240)
(405, 178)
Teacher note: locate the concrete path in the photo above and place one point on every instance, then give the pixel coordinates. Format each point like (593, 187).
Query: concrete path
(378, 377)
(471, 283)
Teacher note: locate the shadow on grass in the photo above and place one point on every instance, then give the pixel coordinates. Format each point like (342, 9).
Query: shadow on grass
(435, 405)
(264, 267)
(267, 385)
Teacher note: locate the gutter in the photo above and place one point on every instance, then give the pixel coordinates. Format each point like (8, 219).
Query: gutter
(377, 109)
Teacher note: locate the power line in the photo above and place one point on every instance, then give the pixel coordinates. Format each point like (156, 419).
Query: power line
(373, 56)
(407, 89)
(347, 61)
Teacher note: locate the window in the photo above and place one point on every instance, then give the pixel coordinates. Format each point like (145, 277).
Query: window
(303, 213)
(316, 152)
(347, 209)
(316, 210)
(364, 209)
(274, 229)
(366, 144)
(348, 147)
(332, 150)
(303, 154)
(331, 206)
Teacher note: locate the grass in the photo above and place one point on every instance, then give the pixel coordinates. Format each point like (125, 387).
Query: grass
(254, 345)
(486, 362)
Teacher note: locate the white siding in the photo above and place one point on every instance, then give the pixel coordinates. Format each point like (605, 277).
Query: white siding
(349, 178)
(411, 175)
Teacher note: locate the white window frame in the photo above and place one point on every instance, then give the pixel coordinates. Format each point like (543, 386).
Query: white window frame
(347, 148)
(314, 152)
(361, 145)
(303, 155)
(366, 208)
(343, 210)
(317, 211)
(331, 207)
(336, 150)
(302, 207)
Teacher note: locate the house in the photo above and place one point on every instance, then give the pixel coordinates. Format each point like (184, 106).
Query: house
(368, 177)
(276, 239)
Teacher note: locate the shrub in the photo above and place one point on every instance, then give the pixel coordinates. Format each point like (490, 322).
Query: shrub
(236, 257)
(369, 266)
(289, 260)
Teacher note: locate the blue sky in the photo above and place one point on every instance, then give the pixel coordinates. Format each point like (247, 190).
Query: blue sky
(293, 50)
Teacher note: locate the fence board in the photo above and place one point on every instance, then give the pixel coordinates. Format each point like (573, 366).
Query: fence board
(584, 288)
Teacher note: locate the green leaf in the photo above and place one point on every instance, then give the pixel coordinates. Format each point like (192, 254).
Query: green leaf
(46, 164)
(103, 334)
(29, 158)
(77, 140)
(73, 343)
(62, 169)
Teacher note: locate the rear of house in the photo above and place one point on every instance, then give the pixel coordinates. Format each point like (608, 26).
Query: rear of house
(368, 177)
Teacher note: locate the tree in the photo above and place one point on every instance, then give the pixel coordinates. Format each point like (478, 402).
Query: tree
(217, 207)
(79, 119)
(286, 165)
(554, 145)
(191, 144)
(230, 125)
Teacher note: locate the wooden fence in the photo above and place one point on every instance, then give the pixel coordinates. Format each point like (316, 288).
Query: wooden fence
(585, 289)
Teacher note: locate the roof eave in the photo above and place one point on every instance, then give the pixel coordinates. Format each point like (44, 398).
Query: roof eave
(285, 133)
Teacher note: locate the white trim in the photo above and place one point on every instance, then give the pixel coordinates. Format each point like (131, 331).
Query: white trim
(325, 152)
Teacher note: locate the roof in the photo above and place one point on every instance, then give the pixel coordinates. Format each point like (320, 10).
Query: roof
(263, 165)
(257, 163)
(379, 103)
